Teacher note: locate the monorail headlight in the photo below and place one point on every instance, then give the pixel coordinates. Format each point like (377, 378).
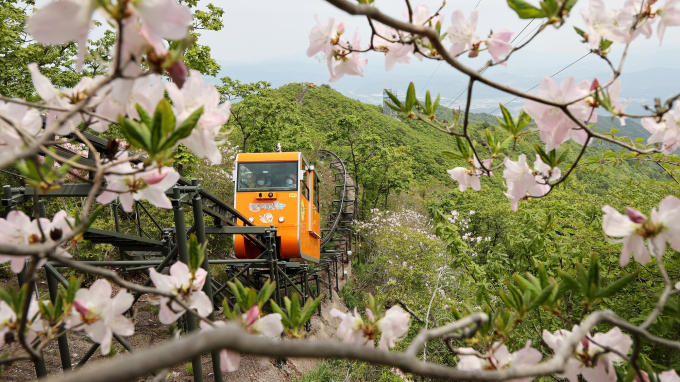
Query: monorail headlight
(281, 219)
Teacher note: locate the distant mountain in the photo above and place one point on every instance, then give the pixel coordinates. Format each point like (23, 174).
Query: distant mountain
(647, 74)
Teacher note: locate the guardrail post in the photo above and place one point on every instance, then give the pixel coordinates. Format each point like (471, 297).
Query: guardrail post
(199, 224)
(181, 239)
(62, 340)
(116, 221)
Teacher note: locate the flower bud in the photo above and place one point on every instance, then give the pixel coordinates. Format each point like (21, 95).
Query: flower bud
(635, 216)
(341, 28)
(178, 73)
(154, 177)
(252, 315)
(56, 233)
(9, 337)
(81, 307)
(595, 85)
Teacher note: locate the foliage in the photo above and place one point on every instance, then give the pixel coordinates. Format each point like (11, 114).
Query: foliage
(262, 118)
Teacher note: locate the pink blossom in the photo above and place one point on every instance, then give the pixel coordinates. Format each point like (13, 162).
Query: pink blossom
(465, 178)
(100, 315)
(626, 226)
(351, 328)
(61, 98)
(162, 19)
(602, 23)
(62, 21)
(469, 177)
(122, 98)
(180, 282)
(634, 227)
(395, 52)
(19, 229)
(554, 126)
(422, 16)
(462, 32)
(139, 185)
(522, 181)
(346, 62)
(628, 16)
(21, 117)
(667, 131)
(499, 44)
(320, 37)
(269, 326)
(8, 321)
(393, 326)
(669, 376)
(193, 95)
(670, 17)
(614, 92)
(591, 361)
(501, 359)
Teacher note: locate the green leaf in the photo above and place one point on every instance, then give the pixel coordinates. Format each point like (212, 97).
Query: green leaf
(183, 130)
(308, 309)
(540, 299)
(436, 103)
(524, 284)
(525, 10)
(393, 107)
(563, 156)
(570, 4)
(617, 285)
(136, 134)
(395, 100)
(570, 282)
(284, 317)
(196, 255)
(428, 101)
(295, 310)
(252, 299)
(144, 115)
(452, 154)
(410, 97)
(580, 32)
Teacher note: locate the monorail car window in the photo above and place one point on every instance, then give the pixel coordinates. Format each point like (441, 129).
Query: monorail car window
(304, 187)
(316, 191)
(267, 176)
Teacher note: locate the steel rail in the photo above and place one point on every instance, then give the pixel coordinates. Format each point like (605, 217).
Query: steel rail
(330, 233)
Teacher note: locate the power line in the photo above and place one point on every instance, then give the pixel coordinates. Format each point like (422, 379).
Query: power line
(482, 72)
(556, 73)
(440, 62)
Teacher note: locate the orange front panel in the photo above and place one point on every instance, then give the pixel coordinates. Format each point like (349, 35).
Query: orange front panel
(267, 212)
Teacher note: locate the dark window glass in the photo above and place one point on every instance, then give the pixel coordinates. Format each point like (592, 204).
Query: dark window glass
(267, 176)
(304, 188)
(316, 192)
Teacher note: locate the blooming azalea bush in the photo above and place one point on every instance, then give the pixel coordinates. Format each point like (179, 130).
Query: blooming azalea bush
(486, 340)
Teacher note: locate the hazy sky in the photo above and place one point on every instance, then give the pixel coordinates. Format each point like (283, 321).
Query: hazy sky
(266, 29)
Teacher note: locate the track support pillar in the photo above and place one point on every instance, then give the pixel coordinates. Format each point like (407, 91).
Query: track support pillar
(181, 240)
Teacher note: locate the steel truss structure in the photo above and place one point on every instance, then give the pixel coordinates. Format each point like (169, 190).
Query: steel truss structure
(169, 245)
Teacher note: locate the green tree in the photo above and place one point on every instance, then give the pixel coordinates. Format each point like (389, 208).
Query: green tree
(262, 118)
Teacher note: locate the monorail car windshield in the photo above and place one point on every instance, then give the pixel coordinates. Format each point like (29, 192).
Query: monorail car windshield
(263, 176)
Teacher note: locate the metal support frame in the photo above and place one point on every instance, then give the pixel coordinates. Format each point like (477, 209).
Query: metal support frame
(181, 242)
(207, 287)
(253, 272)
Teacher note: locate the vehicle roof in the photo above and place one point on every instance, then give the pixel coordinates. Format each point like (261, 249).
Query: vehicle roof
(268, 157)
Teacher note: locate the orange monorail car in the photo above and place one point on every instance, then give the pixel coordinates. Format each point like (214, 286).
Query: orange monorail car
(280, 190)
